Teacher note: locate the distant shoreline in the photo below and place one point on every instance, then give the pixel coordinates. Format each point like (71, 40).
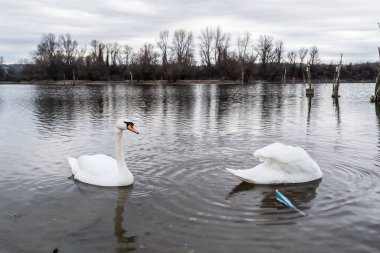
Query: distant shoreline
(156, 82)
(89, 82)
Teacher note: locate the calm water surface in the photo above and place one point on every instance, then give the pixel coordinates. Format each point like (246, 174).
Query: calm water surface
(183, 200)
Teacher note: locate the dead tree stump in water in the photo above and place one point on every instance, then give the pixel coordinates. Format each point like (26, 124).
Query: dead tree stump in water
(335, 92)
(376, 96)
(130, 72)
(242, 75)
(74, 80)
(309, 91)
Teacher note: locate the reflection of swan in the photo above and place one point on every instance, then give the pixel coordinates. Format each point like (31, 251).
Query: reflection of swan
(281, 164)
(103, 170)
(125, 242)
(120, 233)
(299, 193)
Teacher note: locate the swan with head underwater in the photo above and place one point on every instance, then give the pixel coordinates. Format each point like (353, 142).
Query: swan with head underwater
(281, 164)
(104, 170)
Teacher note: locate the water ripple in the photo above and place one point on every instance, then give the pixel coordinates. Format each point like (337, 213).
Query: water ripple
(182, 199)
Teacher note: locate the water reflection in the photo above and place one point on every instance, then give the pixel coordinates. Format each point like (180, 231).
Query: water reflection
(337, 111)
(308, 112)
(125, 242)
(53, 105)
(377, 110)
(377, 157)
(270, 211)
(300, 194)
(189, 133)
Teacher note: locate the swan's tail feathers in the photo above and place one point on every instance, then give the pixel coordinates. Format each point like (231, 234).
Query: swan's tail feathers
(231, 171)
(243, 175)
(73, 164)
(237, 173)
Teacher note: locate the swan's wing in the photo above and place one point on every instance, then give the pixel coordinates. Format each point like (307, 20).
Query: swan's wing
(98, 164)
(287, 158)
(261, 174)
(247, 175)
(95, 169)
(281, 164)
(281, 153)
(94, 165)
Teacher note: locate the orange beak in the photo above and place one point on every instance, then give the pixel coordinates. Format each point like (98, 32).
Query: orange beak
(132, 129)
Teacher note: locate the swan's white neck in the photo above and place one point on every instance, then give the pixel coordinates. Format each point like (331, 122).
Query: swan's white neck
(119, 152)
(125, 177)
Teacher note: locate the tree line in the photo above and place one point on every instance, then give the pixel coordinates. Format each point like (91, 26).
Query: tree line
(178, 56)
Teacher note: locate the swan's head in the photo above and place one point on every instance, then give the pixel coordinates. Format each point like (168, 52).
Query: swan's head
(125, 124)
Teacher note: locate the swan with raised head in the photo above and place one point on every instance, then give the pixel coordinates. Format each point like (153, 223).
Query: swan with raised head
(280, 164)
(101, 169)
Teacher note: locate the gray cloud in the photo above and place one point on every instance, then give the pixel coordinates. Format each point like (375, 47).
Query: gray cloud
(335, 27)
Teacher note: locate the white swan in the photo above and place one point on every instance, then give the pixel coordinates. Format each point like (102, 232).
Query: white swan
(281, 164)
(101, 169)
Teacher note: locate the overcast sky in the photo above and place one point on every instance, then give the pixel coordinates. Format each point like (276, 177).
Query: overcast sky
(340, 26)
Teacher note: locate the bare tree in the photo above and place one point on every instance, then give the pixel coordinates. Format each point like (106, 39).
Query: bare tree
(48, 49)
(223, 51)
(115, 54)
(101, 48)
(182, 47)
(243, 43)
(96, 67)
(313, 56)
(302, 52)
(108, 54)
(48, 55)
(221, 45)
(69, 49)
(127, 54)
(163, 45)
(147, 59)
(265, 49)
(279, 52)
(80, 61)
(68, 46)
(94, 52)
(147, 56)
(292, 59)
(126, 58)
(207, 38)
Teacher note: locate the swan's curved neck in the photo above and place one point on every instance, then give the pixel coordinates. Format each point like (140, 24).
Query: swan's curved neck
(119, 150)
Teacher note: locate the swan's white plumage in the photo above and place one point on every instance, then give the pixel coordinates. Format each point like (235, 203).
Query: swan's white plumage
(101, 169)
(281, 164)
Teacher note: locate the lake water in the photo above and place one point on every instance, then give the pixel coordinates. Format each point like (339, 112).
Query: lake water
(183, 200)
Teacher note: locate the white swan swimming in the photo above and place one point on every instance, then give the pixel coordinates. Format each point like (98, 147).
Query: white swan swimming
(281, 164)
(101, 169)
